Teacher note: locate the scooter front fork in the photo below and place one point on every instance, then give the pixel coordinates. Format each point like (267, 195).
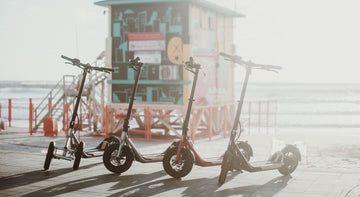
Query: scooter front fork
(121, 144)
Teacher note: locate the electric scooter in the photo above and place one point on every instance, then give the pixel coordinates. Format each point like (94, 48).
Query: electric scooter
(179, 159)
(285, 161)
(119, 157)
(74, 148)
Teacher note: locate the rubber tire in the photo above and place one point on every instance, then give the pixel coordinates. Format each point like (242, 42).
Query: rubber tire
(108, 156)
(224, 168)
(291, 161)
(245, 148)
(78, 154)
(49, 155)
(186, 158)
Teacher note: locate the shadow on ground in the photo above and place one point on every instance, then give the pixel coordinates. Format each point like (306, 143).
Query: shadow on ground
(36, 176)
(143, 185)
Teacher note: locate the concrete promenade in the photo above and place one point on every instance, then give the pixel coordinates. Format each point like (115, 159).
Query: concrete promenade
(320, 174)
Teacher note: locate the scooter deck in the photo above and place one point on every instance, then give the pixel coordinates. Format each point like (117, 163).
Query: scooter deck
(147, 158)
(209, 161)
(88, 153)
(93, 152)
(265, 165)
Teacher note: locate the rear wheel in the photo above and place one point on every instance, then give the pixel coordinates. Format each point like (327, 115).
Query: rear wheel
(291, 160)
(78, 154)
(121, 164)
(49, 155)
(245, 149)
(181, 168)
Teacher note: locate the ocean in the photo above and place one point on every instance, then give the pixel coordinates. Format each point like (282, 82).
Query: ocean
(290, 104)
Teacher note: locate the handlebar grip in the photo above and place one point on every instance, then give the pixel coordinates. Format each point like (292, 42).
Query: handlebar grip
(74, 61)
(108, 69)
(231, 57)
(225, 55)
(135, 63)
(274, 67)
(67, 58)
(191, 64)
(103, 69)
(262, 66)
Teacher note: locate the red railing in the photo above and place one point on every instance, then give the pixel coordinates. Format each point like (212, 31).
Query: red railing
(205, 122)
(258, 115)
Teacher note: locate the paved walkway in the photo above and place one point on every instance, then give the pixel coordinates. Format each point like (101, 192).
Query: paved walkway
(21, 174)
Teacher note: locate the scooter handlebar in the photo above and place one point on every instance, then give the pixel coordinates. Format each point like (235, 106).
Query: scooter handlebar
(74, 61)
(77, 62)
(237, 59)
(191, 64)
(102, 69)
(234, 58)
(135, 63)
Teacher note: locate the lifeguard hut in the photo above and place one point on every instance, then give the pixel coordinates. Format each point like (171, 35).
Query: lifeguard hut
(164, 34)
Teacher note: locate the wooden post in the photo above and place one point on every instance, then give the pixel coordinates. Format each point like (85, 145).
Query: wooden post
(66, 118)
(30, 117)
(275, 116)
(225, 118)
(249, 121)
(259, 117)
(210, 123)
(267, 116)
(9, 110)
(49, 107)
(106, 121)
(147, 124)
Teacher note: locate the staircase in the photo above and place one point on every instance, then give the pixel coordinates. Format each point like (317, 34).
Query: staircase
(59, 103)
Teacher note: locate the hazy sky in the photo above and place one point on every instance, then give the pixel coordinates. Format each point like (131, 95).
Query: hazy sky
(313, 40)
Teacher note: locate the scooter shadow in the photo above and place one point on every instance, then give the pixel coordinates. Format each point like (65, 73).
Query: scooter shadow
(120, 181)
(36, 176)
(205, 187)
(143, 185)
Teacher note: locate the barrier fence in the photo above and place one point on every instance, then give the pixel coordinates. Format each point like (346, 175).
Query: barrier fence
(15, 112)
(151, 121)
(156, 121)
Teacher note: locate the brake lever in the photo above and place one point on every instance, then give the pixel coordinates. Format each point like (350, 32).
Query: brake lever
(275, 71)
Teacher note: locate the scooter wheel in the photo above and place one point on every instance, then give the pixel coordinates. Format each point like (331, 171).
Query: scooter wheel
(181, 168)
(291, 160)
(49, 155)
(224, 167)
(246, 149)
(78, 154)
(118, 165)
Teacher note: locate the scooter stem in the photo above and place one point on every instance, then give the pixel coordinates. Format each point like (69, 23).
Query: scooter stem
(191, 100)
(240, 104)
(127, 118)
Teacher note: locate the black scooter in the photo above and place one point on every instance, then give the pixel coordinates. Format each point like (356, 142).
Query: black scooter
(119, 157)
(74, 148)
(285, 161)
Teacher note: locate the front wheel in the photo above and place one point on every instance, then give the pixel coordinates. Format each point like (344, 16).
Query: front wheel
(49, 155)
(121, 164)
(225, 167)
(291, 160)
(78, 154)
(181, 168)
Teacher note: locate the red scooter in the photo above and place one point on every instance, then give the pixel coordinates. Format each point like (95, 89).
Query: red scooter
(178, 160)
